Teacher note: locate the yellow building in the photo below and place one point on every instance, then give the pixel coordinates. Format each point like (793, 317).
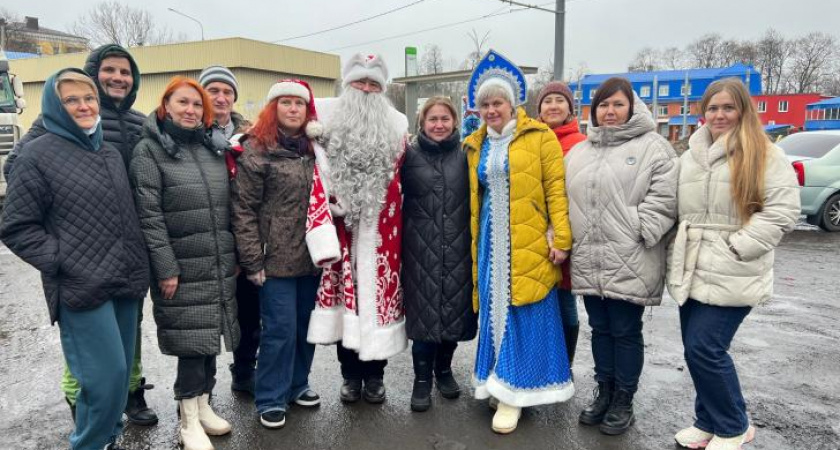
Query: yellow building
(257, 65)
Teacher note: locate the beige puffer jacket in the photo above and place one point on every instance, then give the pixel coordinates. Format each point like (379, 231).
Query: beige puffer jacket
(622, 188)
(701, 264)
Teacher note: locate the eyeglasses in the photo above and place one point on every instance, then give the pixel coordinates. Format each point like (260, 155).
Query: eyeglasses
(75, 102)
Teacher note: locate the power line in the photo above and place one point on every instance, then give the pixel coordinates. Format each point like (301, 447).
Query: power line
(351, 23)
(448, 25)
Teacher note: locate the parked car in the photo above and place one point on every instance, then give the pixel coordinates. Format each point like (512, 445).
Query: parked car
(815, 156)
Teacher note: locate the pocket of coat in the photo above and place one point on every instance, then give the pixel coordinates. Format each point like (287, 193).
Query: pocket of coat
(730, 264)
(635, 223)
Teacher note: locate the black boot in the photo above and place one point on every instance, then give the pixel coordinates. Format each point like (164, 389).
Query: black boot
(421, 393)
(374, 391)
(136, 410)
(595, 411)
(242, 379)
(446, 383)
(570, 335)
(620, 415)
(351, 390)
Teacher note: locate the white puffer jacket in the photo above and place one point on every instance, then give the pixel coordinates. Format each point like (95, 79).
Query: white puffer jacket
(701, 264)
(622, 188)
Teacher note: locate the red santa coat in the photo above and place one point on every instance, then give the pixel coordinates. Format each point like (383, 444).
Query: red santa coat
(366, 315)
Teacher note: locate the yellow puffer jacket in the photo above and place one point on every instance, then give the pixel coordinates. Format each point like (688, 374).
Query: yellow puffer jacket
(537, 193)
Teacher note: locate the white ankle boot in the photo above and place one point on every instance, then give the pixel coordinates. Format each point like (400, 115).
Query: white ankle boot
(192, 435)
(506, 418)
(212, 424)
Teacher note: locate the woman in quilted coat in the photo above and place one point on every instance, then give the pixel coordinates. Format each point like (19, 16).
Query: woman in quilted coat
(69, 213)
(622, 185)
(738, 196)
(516, 190)
(182, 195)
(436, 277)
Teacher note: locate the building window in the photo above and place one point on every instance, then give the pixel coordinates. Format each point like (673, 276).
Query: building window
(682, 89)
(591, 94)
(685, 110)
(663, 110)
(664, 90)
(644, 91)
(762, 106)
(783, 106)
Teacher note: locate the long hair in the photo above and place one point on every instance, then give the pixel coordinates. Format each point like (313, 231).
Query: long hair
(179, 82)
(266, 131)
(746, 148)
(434, 101)
(606, 90)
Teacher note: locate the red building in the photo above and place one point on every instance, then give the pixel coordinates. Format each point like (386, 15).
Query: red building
(784, 109)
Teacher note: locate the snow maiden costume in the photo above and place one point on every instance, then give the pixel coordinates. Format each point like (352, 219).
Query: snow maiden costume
(516, 187)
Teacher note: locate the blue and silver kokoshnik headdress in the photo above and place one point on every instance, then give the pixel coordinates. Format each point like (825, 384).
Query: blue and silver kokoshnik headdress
(497, 67)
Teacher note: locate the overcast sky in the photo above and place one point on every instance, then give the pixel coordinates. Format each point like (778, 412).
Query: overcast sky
(603, 34)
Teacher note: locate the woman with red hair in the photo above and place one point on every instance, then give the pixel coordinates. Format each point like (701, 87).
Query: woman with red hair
(270, 201)
(182, 196)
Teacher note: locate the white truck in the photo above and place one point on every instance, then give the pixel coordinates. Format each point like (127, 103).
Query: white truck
(11, 105)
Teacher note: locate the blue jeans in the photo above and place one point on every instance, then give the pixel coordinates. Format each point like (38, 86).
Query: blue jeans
(99, 347)
(618, 347)
(707, 332)
(285, 358)
(568, 308)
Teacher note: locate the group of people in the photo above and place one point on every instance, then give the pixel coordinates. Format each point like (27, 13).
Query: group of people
(325, 221)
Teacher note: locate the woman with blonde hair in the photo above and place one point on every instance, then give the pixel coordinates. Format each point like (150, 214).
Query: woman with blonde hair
(181, 189)
(436, 273)
(738, 196)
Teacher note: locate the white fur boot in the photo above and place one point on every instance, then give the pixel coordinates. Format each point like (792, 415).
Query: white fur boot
(212, 424)
(192, 435)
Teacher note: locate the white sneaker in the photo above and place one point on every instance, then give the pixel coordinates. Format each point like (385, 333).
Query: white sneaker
(732, 443)
(693, 437)
(506, 418)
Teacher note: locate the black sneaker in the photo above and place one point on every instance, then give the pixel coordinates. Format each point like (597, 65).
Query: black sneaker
(351, 390)
(273, 419)
(136, 410)
(308, 398)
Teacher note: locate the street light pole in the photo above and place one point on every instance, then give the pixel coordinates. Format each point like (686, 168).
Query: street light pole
(559, 38)
(191, 18)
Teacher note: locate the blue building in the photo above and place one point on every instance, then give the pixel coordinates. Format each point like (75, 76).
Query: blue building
(666, 88)
(823, 115)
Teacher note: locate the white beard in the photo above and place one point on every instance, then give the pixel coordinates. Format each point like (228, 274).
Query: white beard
(363, 144)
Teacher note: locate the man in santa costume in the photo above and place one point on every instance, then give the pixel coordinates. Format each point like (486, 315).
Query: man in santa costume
(359, 304)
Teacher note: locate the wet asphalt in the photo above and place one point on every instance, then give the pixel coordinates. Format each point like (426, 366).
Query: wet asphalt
(787, 354)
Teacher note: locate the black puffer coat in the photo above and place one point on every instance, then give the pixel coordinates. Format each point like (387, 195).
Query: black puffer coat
(182, 196)
(121, 125)
(437, 267)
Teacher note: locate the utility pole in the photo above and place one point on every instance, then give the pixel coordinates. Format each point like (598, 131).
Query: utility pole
(684, 133)
(559, 38)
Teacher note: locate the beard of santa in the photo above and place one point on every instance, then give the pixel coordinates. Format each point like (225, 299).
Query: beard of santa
(363, 145)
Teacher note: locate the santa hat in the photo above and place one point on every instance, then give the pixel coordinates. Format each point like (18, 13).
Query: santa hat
(360, 66)
(299, 88)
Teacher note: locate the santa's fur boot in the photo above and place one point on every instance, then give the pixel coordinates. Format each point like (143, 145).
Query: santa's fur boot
(192, 435)
(212, 424)
(506, 418)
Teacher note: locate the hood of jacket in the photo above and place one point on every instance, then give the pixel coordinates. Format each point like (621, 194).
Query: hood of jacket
(155, 130)
(94, 61)
(703, 149)
(58, 121)
(640, 123)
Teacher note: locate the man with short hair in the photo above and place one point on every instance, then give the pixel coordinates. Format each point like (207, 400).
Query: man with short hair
(365, 143)
(223, 89)
(116, 75)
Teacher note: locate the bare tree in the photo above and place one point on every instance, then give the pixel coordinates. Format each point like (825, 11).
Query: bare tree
(119, 23)
(432, 60)
(646, 60)
(474, 56)
(706, 51)
(772, 58)
(672, 58)
(811, 58)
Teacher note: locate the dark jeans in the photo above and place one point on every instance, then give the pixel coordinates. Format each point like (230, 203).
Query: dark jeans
(707, 331)
(285, 357)
(438, 354)
(248, 314)
(352, 368)
(568, 308)
(196, 376)
(618, 347)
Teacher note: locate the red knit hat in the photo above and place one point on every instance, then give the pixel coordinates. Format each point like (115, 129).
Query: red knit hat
(291, 87)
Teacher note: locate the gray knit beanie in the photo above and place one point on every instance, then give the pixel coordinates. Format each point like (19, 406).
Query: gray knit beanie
(219, 73)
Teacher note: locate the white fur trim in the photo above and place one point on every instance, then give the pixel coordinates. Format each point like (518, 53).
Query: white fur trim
(314, 129)
(323, 245)
(325, 325)
(351, 339)
(495, 81)
(523, 397)
(360, 66)
(288, 89)
(385, 342)
(323, 166)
